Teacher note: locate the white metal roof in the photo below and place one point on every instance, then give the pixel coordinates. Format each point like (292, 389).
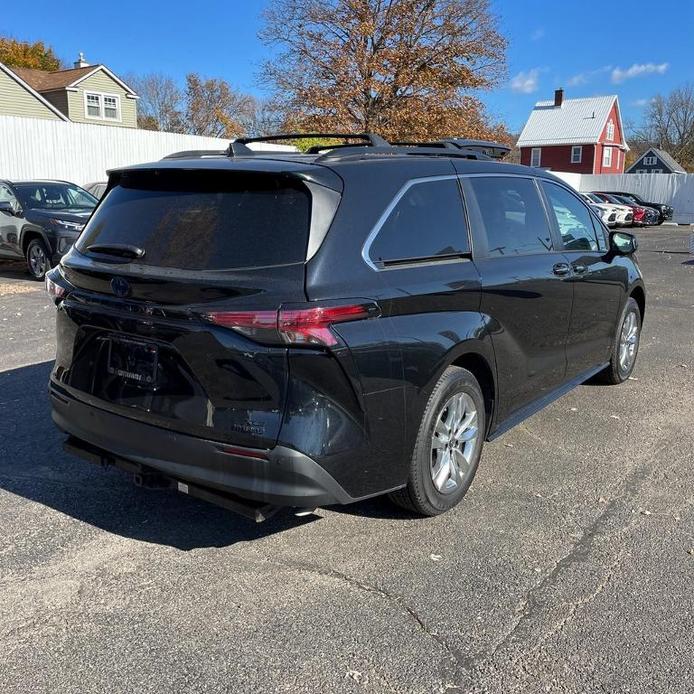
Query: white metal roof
(575, 122)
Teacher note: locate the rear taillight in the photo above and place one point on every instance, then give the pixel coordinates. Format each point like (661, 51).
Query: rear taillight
(55, 285)
(295, 325)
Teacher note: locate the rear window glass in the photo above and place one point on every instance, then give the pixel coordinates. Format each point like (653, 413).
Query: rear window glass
(205, 220)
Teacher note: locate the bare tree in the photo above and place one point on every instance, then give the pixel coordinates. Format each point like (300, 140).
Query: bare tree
(668, 124)
(214, 109)
(403, 68)
(160, 104)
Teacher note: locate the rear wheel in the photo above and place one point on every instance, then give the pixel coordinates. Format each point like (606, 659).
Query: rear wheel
(448, 446)
(626, 345)
(38, 259)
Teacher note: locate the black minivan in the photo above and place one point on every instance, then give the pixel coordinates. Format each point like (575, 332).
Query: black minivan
(269, 329)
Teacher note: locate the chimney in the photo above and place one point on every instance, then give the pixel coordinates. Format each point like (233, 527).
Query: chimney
(558, 97)
(80, 62)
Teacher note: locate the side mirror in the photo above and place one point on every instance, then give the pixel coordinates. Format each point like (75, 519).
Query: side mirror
(622, 243)
(6, 207)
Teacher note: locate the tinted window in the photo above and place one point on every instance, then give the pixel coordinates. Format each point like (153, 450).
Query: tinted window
(573, 218)
(205, 220)
(427, 222)
(54, 196)
(512, 215)
(6, 195)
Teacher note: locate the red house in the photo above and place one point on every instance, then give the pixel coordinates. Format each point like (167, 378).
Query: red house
(577, 135)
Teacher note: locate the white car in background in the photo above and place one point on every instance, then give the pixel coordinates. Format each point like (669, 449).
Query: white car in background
(624, 215)
(606, 212)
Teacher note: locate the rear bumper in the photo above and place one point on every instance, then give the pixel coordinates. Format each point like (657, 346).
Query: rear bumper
(280, 476)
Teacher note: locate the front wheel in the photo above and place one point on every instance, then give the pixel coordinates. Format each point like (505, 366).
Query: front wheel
(626, 345)
(38, 259)
(448, 446)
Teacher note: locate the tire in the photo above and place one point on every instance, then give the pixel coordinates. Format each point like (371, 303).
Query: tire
(618, 371)
(38, 259)
(457, 397)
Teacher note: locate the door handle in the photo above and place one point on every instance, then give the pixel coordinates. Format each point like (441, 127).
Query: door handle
(579, 268)
(561, 269)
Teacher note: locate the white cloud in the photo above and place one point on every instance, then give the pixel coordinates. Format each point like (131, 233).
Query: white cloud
(526, 82)
(640, 103)
(580, 78)
(637, 70)
(585, 77)
(537, 34)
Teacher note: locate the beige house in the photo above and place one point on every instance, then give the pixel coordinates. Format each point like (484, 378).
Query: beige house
(17, 98)
(82, 94)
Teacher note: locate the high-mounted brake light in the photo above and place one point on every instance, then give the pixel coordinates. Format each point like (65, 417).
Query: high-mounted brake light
(293, 325)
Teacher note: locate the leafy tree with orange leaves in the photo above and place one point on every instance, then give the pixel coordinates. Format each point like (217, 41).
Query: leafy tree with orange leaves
(35, 55)
(406, 69)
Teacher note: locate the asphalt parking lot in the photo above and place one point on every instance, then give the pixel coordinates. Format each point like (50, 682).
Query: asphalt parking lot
(569, 567)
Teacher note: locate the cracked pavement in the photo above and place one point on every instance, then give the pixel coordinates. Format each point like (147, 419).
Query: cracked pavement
(569, 567)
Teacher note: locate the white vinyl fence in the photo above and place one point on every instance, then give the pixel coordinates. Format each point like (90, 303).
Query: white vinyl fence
(673, 189)
(81, 153)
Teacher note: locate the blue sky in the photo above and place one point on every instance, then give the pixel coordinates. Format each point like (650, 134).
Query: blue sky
(635, 49)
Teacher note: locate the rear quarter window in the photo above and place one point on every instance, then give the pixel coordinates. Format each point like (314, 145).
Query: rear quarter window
(206, 220)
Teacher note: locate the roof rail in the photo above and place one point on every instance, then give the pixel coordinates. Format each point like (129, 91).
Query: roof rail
(372, 139)
(195, 154)
(439, 144)
(493, 150)
(438, 149)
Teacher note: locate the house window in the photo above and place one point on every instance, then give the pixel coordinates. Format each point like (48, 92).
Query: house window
(535, 156)
(650, 161)
(111, 107)
(618, 153)
(93, 105)
(610, 131)
(576, 154)
(102, 106)
(607, 156)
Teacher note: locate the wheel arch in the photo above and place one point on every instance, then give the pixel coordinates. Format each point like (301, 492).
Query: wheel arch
(480, 367)
(639, 295)
(31, 232)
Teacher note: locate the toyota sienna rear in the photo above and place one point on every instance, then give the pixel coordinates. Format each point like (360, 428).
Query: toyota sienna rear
(300, 330)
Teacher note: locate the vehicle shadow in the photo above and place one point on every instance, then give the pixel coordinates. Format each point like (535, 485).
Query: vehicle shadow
(34, 466)
(15, 270)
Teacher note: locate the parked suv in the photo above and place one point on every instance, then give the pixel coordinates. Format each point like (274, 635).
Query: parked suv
(278, 329)
(40, 220)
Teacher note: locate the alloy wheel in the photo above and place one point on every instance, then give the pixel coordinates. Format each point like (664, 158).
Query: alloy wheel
(628, 342)
(453, 443)
(38, 261)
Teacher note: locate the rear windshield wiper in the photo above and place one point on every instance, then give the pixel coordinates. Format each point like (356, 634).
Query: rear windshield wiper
(120, 250)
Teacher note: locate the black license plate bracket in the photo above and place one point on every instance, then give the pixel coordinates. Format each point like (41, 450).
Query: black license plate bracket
(133, 360)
